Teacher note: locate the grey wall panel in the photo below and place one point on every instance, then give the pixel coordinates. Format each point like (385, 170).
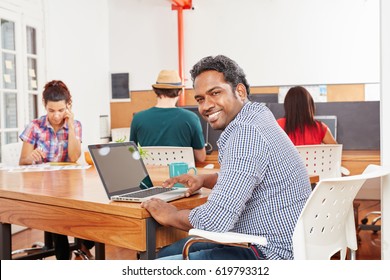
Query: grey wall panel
(358, 125)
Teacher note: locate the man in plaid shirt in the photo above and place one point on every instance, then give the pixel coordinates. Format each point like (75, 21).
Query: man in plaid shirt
(262, 184)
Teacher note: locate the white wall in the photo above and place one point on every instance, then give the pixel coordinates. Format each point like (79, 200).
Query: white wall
(78, 53)
(143, 39)
(276, 43)
(280, 42)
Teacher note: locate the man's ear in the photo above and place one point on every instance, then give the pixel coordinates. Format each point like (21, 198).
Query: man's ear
(241, 90)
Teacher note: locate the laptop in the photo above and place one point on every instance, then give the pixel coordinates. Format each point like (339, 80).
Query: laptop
(124, 175)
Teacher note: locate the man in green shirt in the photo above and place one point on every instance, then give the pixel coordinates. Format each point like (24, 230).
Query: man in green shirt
(165, 124)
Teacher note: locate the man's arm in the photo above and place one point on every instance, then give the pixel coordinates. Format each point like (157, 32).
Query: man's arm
(167, 214)
(200, 155)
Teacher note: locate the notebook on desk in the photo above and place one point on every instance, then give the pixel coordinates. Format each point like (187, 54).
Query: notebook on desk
(124, 175)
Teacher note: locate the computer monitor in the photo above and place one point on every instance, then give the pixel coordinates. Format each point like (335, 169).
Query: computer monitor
(264, 98)
(331, 122)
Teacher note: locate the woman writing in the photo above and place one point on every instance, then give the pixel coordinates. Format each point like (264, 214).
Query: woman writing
(54, 137)
(299, 122)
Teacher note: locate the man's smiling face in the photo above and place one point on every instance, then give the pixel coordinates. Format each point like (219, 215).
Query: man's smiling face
(218, 103)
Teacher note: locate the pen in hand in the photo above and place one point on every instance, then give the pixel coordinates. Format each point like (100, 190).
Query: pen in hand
(44, 160)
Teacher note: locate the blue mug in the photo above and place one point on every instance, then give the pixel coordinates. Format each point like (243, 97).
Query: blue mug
(179, 168)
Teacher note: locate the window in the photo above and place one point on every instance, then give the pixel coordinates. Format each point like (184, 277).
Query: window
(8, 84)
(19, 72)
(32, 72)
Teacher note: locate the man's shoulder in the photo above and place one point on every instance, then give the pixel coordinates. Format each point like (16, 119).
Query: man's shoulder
(144, 112)
(253, 112)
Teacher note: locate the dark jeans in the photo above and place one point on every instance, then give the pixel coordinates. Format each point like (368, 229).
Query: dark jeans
(209, 251)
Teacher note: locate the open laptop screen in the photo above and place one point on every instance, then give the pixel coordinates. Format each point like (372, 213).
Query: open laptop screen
(120, 167)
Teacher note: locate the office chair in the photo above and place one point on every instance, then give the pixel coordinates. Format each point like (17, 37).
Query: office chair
(324, 227)
(10, 154)
(373, 225)
(323, 160)
(163, 155)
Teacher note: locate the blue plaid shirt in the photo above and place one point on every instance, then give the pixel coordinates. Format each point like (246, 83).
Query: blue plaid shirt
(262, 185)
(41, 134)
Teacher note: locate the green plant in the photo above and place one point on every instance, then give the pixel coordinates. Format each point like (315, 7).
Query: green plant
(121, 140)
(142, 152)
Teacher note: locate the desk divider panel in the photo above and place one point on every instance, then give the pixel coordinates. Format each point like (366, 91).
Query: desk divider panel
(358, 123)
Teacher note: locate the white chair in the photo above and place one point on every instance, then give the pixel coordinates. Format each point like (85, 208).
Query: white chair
(121, 134)
(163, 155)
(325, 226)
(10, 153)
(323, 160)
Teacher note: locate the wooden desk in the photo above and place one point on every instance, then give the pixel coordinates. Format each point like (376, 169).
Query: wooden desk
(210, 159)
(357, 160)
(74, 203)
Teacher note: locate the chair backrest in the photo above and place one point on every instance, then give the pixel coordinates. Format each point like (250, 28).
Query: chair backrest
(10, 153)
(120, 134)
(163, 155)
(323, 160)
(326, 224)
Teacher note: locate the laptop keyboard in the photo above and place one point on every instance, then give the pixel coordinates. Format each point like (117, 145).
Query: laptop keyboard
(148, 192)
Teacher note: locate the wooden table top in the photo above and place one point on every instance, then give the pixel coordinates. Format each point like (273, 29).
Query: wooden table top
(82, 189)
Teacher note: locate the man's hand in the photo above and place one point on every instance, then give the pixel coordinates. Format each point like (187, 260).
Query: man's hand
(192, 182)
(167, 214)
(161, 211)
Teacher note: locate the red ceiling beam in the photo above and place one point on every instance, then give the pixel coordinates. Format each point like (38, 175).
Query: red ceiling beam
(181, 5)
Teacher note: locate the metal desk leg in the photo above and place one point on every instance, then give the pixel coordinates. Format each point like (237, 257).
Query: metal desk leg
(100, 251)
(5, 241)
(150, 254)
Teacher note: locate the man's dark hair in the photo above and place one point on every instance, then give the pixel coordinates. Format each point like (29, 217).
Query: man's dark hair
(168, 92)
(231, 71)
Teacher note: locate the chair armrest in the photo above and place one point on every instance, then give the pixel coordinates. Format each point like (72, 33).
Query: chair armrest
(229, 237)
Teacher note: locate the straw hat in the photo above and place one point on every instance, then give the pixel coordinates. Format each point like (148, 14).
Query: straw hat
(168, 79)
